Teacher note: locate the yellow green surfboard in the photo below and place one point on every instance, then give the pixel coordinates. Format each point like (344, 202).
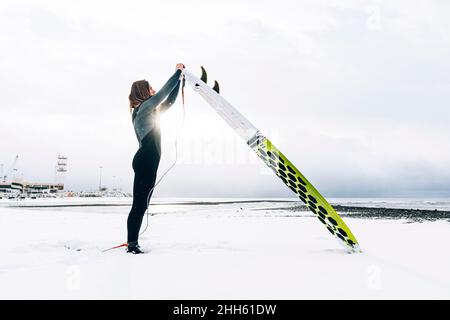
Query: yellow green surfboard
(273, 158)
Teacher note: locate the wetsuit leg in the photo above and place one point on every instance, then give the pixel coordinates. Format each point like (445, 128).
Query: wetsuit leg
(145, 166)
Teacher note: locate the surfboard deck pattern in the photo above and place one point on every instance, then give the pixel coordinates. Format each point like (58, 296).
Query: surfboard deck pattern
(273, 158)
(309, 195)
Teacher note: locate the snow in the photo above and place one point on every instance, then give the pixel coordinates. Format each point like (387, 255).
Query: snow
(216, 251)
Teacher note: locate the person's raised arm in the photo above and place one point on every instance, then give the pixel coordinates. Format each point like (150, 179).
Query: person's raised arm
(170, 99)
(148, 105)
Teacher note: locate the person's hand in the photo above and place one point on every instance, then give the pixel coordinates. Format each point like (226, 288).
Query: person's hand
(180, 66)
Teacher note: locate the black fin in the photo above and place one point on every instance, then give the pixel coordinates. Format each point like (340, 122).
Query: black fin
(204, 76)
(216, 87)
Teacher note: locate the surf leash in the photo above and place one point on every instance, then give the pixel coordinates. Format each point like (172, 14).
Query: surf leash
(116, 247)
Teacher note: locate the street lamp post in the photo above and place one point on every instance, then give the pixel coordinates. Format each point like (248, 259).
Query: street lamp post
(100, 180)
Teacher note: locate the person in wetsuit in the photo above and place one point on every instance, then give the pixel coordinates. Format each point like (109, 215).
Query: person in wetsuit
(146, 106)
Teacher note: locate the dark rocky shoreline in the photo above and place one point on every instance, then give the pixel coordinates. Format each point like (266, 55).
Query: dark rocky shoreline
(416, 215)
(413, 215)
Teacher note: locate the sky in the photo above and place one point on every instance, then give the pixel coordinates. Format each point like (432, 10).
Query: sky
(355, 93)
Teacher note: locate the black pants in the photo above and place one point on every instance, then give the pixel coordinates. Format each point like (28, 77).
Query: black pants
(145, 166)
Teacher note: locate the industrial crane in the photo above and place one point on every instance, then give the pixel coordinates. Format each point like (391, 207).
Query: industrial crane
(11, 169)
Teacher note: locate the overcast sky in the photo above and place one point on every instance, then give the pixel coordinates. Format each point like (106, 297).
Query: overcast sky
(354, 93)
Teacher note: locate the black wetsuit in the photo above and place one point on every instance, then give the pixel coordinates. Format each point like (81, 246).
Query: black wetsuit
(146, 160)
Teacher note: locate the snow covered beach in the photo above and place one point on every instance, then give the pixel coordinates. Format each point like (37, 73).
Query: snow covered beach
(223, 249)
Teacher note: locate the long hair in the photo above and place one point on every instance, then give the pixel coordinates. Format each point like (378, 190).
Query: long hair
(139, 92)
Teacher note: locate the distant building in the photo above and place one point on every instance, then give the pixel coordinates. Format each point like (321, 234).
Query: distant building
(6, 191)
(29, 189)
(14, 187)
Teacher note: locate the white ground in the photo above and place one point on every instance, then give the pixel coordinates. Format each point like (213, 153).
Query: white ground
(225, 251)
